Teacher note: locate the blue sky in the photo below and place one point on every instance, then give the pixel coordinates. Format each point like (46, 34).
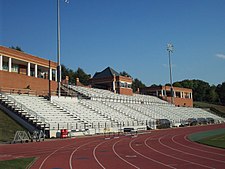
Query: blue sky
(127, 35)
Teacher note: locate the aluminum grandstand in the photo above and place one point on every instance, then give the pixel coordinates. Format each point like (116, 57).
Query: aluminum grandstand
(98, 110)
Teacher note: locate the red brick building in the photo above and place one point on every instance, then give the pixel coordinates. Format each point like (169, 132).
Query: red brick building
(23, 72)
(182, 96)
(109, 79)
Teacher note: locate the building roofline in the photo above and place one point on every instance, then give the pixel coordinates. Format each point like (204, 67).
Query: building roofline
(25, 56)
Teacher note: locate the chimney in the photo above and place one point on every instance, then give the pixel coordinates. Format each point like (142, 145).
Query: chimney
(77, 81)
(138, 91)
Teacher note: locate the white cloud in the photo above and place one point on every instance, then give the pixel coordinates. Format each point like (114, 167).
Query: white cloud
(221, 56)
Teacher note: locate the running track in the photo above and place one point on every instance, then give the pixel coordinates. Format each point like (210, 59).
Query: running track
(158, 149)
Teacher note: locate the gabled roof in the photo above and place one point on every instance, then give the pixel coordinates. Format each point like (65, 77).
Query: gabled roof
(108, 72)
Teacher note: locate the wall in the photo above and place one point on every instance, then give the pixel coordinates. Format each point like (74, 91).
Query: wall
(181, 102)
(125, 91)
(10, 80)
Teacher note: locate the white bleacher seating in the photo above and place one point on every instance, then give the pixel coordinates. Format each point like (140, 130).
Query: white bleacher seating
(102, 109)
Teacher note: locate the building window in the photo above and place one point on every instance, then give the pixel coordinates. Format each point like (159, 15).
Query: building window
(5, 66)
(15, 68)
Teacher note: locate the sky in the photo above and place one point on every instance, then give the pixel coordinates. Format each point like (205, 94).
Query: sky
(127, 35)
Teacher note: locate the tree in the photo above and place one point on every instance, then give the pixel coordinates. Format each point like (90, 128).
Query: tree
(125, 74)
(220, 89)
(16, 48)
(177, 84)
(137, 84)
(199, 88)
(83, 77)
(155, 85)
(211, 95)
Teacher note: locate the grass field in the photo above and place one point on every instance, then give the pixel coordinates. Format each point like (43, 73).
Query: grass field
(21, 163)
(8, 127)
(218, 109)
(215, 138)
(215, 141)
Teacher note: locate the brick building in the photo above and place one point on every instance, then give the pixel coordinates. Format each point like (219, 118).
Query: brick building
(182, 96)
(23, 72)
(109, 79)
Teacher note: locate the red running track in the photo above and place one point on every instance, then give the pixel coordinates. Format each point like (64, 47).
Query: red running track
(158, 149)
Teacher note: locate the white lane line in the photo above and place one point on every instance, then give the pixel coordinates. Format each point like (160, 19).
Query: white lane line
(183, 153)
(52, 154)
(121, 157)
(71, 155)
(172, 156)
(95, 153)
(195, 154)
(130, 144)
(185, 138)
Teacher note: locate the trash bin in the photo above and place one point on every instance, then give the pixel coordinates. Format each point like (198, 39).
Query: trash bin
(64, 133)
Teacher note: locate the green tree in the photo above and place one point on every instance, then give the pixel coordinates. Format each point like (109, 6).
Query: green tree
(17, 48)
(125, 74)
(220, 89)
(199, 88)
(211, 95)
(177, 84)
(137, 84)
(155, 85)
(83, 77)
(79, 73)
(64, 71)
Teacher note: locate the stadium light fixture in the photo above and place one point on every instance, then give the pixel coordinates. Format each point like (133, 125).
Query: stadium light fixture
(58, 47)
(170, 50)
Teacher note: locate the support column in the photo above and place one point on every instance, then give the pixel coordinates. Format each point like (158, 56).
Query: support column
(162, 93)
(28, 69)
(114, 86)
(50, 74)
(10, 64)
(1, 60)
(35, 70)
(190, 95)
(56, 75)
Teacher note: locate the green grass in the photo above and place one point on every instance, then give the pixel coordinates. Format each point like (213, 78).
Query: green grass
(215, 141)
(217, 109)
(20, 163)
(8, 127)
(215, 138)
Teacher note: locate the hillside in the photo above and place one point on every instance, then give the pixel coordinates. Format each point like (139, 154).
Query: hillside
(8, 127)
(217, 109)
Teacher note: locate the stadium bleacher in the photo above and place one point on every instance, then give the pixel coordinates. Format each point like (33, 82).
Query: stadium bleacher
(102, 109)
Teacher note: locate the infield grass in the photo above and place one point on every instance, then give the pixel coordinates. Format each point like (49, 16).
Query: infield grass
(215, 138)
(215, 141)
(20, 163)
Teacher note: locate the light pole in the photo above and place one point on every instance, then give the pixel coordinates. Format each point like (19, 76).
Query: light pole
(58, 49)
(59, 77)
(170, 50)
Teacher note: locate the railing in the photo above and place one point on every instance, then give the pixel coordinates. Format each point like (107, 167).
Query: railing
(26, 91)
(29, 111)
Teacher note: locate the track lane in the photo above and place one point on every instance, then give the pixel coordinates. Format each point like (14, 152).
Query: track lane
(181, 141)
(123, 152)
(190, 156)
